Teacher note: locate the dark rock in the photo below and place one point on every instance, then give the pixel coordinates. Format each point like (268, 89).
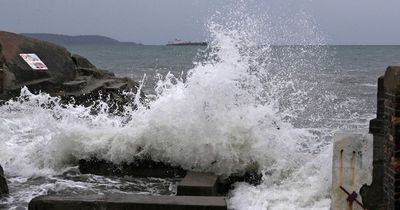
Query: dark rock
(72, 86)
(226, 184)
(82, 62)
(138, 168)
(150, 168)
(1, 78)
(58, 59)
(67, 76)
(371, 197)
(3, 183)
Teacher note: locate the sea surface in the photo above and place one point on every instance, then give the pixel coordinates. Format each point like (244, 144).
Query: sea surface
(240, 103)
(339, 94)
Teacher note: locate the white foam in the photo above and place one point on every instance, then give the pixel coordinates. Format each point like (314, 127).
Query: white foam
(233, 112)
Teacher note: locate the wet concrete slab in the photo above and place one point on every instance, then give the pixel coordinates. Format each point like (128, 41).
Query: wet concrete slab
(198, 184)
(123, 201)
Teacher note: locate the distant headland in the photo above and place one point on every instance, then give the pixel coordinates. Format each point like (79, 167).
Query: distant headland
(62, 39)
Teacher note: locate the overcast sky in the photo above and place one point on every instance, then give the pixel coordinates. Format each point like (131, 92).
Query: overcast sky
(158, 21)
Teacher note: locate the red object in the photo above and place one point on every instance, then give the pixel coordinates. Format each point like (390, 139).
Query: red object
(352, 197)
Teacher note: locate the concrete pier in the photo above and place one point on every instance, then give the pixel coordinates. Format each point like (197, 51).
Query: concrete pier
(123, 201)
(196, 191)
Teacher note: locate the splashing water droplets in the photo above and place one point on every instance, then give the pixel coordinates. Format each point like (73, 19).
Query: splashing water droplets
(233, 111)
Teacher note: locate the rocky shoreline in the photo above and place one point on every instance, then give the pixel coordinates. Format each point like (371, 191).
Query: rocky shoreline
(67, 76)
(75, 78)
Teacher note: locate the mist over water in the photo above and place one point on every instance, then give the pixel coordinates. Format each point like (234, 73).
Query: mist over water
(247, 105)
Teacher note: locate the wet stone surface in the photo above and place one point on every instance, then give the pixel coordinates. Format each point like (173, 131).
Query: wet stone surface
(3, 183)
(68, 76)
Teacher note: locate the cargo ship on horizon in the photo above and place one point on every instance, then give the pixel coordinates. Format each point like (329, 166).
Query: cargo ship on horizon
(178, 42)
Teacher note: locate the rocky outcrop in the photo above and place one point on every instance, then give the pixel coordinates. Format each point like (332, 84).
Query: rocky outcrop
(3, 183)
(148, 168)
(67, 75)
(138, 168)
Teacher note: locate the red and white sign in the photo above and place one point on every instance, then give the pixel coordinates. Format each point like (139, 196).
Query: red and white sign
(33, 61)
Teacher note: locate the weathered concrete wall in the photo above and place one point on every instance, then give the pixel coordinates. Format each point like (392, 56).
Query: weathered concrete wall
(384, 192)
(198, 184)
(373, 194)
(352, 167)
(391, 182)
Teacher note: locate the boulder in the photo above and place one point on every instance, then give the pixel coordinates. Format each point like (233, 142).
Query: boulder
(3, 183)
(58, 60)
(66, 75)
(82, 62)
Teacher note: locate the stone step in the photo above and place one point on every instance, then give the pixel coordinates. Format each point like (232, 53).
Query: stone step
(123, 201)
(116, 86)
(198, 184)
(74, 85)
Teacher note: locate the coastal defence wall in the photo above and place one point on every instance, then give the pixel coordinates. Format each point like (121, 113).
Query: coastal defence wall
(351, 168)
(391, 143)
(384, 191)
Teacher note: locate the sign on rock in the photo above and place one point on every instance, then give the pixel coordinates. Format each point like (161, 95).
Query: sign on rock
(33, 61)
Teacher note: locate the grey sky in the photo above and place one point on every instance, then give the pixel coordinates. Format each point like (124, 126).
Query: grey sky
(157, 21)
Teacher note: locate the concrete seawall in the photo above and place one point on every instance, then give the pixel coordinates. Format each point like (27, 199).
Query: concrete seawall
(118, 202)
(383, 193)
(197, 191)
(351, 168)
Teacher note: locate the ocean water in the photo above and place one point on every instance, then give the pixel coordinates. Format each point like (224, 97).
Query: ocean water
(241, 102)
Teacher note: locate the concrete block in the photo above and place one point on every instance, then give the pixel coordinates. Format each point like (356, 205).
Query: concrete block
(351, 169)
(123, 201)
(198, 184)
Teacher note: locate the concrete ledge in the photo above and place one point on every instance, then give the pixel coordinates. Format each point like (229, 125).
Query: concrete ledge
(149, 168)
(198, 184)
(123, 201)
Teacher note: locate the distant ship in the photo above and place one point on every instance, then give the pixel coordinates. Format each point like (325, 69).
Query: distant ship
(178, 42)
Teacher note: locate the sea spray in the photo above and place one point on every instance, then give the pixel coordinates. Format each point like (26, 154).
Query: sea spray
(305, 183)
(244, 107)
